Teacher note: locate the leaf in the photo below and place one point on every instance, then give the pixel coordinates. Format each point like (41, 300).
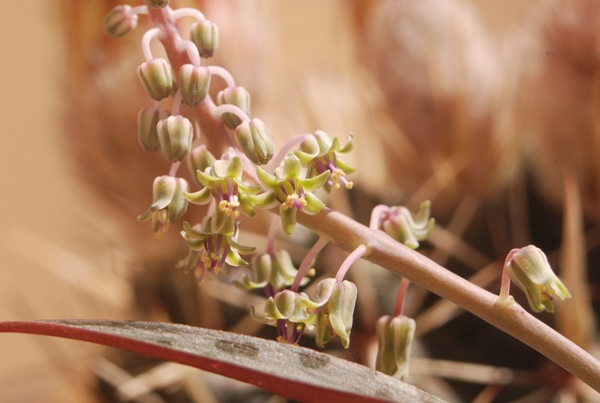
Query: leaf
(295, 372)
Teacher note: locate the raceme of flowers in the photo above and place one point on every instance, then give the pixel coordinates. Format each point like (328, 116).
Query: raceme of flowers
(234, 163)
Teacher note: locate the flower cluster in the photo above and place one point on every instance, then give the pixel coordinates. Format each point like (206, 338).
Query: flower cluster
(186, 124)
(330, 311)
(228, 153)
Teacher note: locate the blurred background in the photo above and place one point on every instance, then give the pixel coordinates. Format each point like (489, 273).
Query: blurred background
(489, 109)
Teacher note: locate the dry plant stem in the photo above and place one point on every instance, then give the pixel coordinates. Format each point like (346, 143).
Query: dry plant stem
(507, 316)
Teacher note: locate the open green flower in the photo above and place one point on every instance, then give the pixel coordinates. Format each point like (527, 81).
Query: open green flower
(168, 203)
(529, 269)
(320, 154)
(212, 246)
(223, 183)
(292, 190)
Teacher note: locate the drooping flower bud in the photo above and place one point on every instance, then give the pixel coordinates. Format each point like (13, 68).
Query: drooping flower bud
(175, 134)
(205, 36)
(254, 138)
(148, 118)
(168, 204)
(340, 308)
(157, 78)
(237, 96)
(281, 306)
(394, 336)
(120, 21)
(194, 82)
(276, 269)
(529, 269)
(198, 160)
(338, 300)
(156, 3)
(398, 223)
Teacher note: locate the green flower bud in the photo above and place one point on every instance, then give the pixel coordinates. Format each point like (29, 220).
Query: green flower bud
(156, 77)
(148, 118)
(237, 96)
(337, 315)
(168, 204)
(194, 82)
(254, 138)
(156, 3)
(198, 160)
(394, 336)
(205, 36)
(281, 306)
(120, 21)
(276, 269)
(529, 269)
(175, 134)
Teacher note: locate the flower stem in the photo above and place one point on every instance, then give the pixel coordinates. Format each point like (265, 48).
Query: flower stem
(229, 108)
(402, 288)
(356, 254)
(306, 262)
(347, 234)
(224, 74)
(146, 39)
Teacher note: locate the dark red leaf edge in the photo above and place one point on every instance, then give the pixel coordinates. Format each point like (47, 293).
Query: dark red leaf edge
(295, 372)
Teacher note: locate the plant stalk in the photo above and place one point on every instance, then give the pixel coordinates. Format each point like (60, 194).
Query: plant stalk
(506, 315)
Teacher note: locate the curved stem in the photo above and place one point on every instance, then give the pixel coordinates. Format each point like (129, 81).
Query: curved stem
(356, 254)
(139, 10)
(223, 73)
(376, 215)
(508, 317)
(229, 108)
(174, 168)
(146, 39)
(191, 50)
(187, 12)
(283, 151)
(306, 262)
(176, 103)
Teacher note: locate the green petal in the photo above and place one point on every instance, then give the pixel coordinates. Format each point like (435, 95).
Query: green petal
(288, 219)
(323, 335)
(292, 168)
(207, 180)
(222, 224)
(349, 144)
(268, 180)
(201, 197)
(244, 250)
(317, 182)
(247, 189)
(190, 232)
(313, 204)
(264, 200)
(344, 166)
(235, 168)
(234, 259)
(264, 321)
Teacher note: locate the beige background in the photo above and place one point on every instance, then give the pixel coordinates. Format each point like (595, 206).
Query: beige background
(56, 259)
